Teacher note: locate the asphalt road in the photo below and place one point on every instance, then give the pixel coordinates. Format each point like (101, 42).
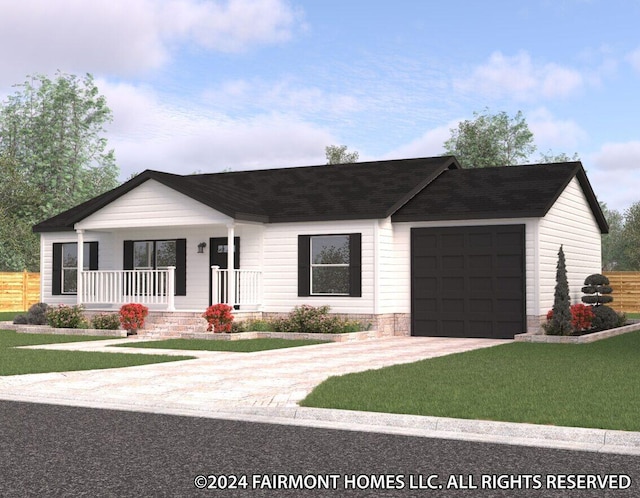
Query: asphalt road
(48, 450)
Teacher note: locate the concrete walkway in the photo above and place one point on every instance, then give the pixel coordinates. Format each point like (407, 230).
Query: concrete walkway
(266, 387)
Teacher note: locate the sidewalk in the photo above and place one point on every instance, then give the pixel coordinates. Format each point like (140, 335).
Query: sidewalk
(266, 387)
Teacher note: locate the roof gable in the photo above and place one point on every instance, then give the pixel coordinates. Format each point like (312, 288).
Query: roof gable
(501, 192)
(151, 204)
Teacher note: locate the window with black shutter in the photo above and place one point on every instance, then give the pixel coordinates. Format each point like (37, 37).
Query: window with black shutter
(330, 265)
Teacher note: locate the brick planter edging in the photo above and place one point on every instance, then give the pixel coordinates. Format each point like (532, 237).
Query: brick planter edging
(349, 336)
(582, 339)
(45, 329)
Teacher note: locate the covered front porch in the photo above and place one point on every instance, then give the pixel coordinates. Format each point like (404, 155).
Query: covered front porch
(158, 247)
(170, 268)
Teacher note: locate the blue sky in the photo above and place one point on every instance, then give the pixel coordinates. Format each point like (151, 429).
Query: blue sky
(242, 84)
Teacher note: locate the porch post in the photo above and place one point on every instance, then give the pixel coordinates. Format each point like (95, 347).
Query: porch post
(231, 279)
(80, 260)
(171, 288)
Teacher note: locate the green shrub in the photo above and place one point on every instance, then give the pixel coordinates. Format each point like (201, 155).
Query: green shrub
(605, 318)
(106, 321)
(252, 326)
(20, 320)
(37, 314)
(68, 317)
(312, 320)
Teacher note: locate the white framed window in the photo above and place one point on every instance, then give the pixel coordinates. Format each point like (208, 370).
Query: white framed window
(69, 266)
(330, 258)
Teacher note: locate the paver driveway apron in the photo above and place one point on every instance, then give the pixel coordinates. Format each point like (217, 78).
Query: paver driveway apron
(222, 380)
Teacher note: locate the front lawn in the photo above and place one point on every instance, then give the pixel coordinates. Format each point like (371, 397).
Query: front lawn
(25, 361)
(579, 385)
(244, 346)
(8, 316)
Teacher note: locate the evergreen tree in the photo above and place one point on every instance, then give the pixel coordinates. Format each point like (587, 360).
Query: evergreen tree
(561, 321)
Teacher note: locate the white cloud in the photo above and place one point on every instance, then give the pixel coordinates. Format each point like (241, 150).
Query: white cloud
(149, 133)
(614, 172)
(427, 145)
(561, 135)
(286, 96)
(520, 78)
(621, 156)
(634, 59)
(129, 36)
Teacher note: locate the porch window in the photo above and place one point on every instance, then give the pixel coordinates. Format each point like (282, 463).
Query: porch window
(65, 266)
(329, 265)
(158, 255)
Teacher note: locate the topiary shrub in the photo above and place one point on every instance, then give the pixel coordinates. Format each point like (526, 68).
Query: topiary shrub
(605, 318)
(597, 287)
(37, 314)
(20, 320)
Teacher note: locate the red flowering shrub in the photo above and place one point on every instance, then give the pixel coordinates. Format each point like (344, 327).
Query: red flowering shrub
(581, 317)
(219, 318)
(132, 316)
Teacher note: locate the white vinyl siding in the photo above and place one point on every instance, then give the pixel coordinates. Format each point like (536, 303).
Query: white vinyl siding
(152, 205)
(569, 223)
(385, 264)
(399, 273)
(280, 271)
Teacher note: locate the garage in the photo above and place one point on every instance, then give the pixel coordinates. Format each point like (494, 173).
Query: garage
(468, 281)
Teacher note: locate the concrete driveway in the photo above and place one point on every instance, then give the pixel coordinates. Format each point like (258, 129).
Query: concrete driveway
(223, 381)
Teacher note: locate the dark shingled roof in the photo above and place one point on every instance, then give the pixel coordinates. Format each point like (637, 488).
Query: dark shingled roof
(409, 189)
(364, 190)
(503, 192)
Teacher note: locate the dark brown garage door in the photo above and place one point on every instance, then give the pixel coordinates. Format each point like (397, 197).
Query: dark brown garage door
(468, 281)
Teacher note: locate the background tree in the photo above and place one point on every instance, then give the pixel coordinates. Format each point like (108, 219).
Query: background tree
(337, 154)
(491, 140)
(550, 157)
(53, 149)
(630, 239)
(613, 257)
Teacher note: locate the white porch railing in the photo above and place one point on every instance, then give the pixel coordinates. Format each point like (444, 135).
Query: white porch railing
(127, 286)
(246, 287)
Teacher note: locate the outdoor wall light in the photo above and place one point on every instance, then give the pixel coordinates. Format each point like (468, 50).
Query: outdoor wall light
(201, 247)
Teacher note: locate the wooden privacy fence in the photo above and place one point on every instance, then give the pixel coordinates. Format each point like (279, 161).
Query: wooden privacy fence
(18, 291)
(626, 290)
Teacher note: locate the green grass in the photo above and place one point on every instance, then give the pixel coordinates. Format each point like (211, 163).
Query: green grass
(579, 385)
(633, 316)
(25, 361)
(8, 316)
(242, 346)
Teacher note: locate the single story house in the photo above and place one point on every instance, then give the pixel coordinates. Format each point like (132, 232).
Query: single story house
(414, 246)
